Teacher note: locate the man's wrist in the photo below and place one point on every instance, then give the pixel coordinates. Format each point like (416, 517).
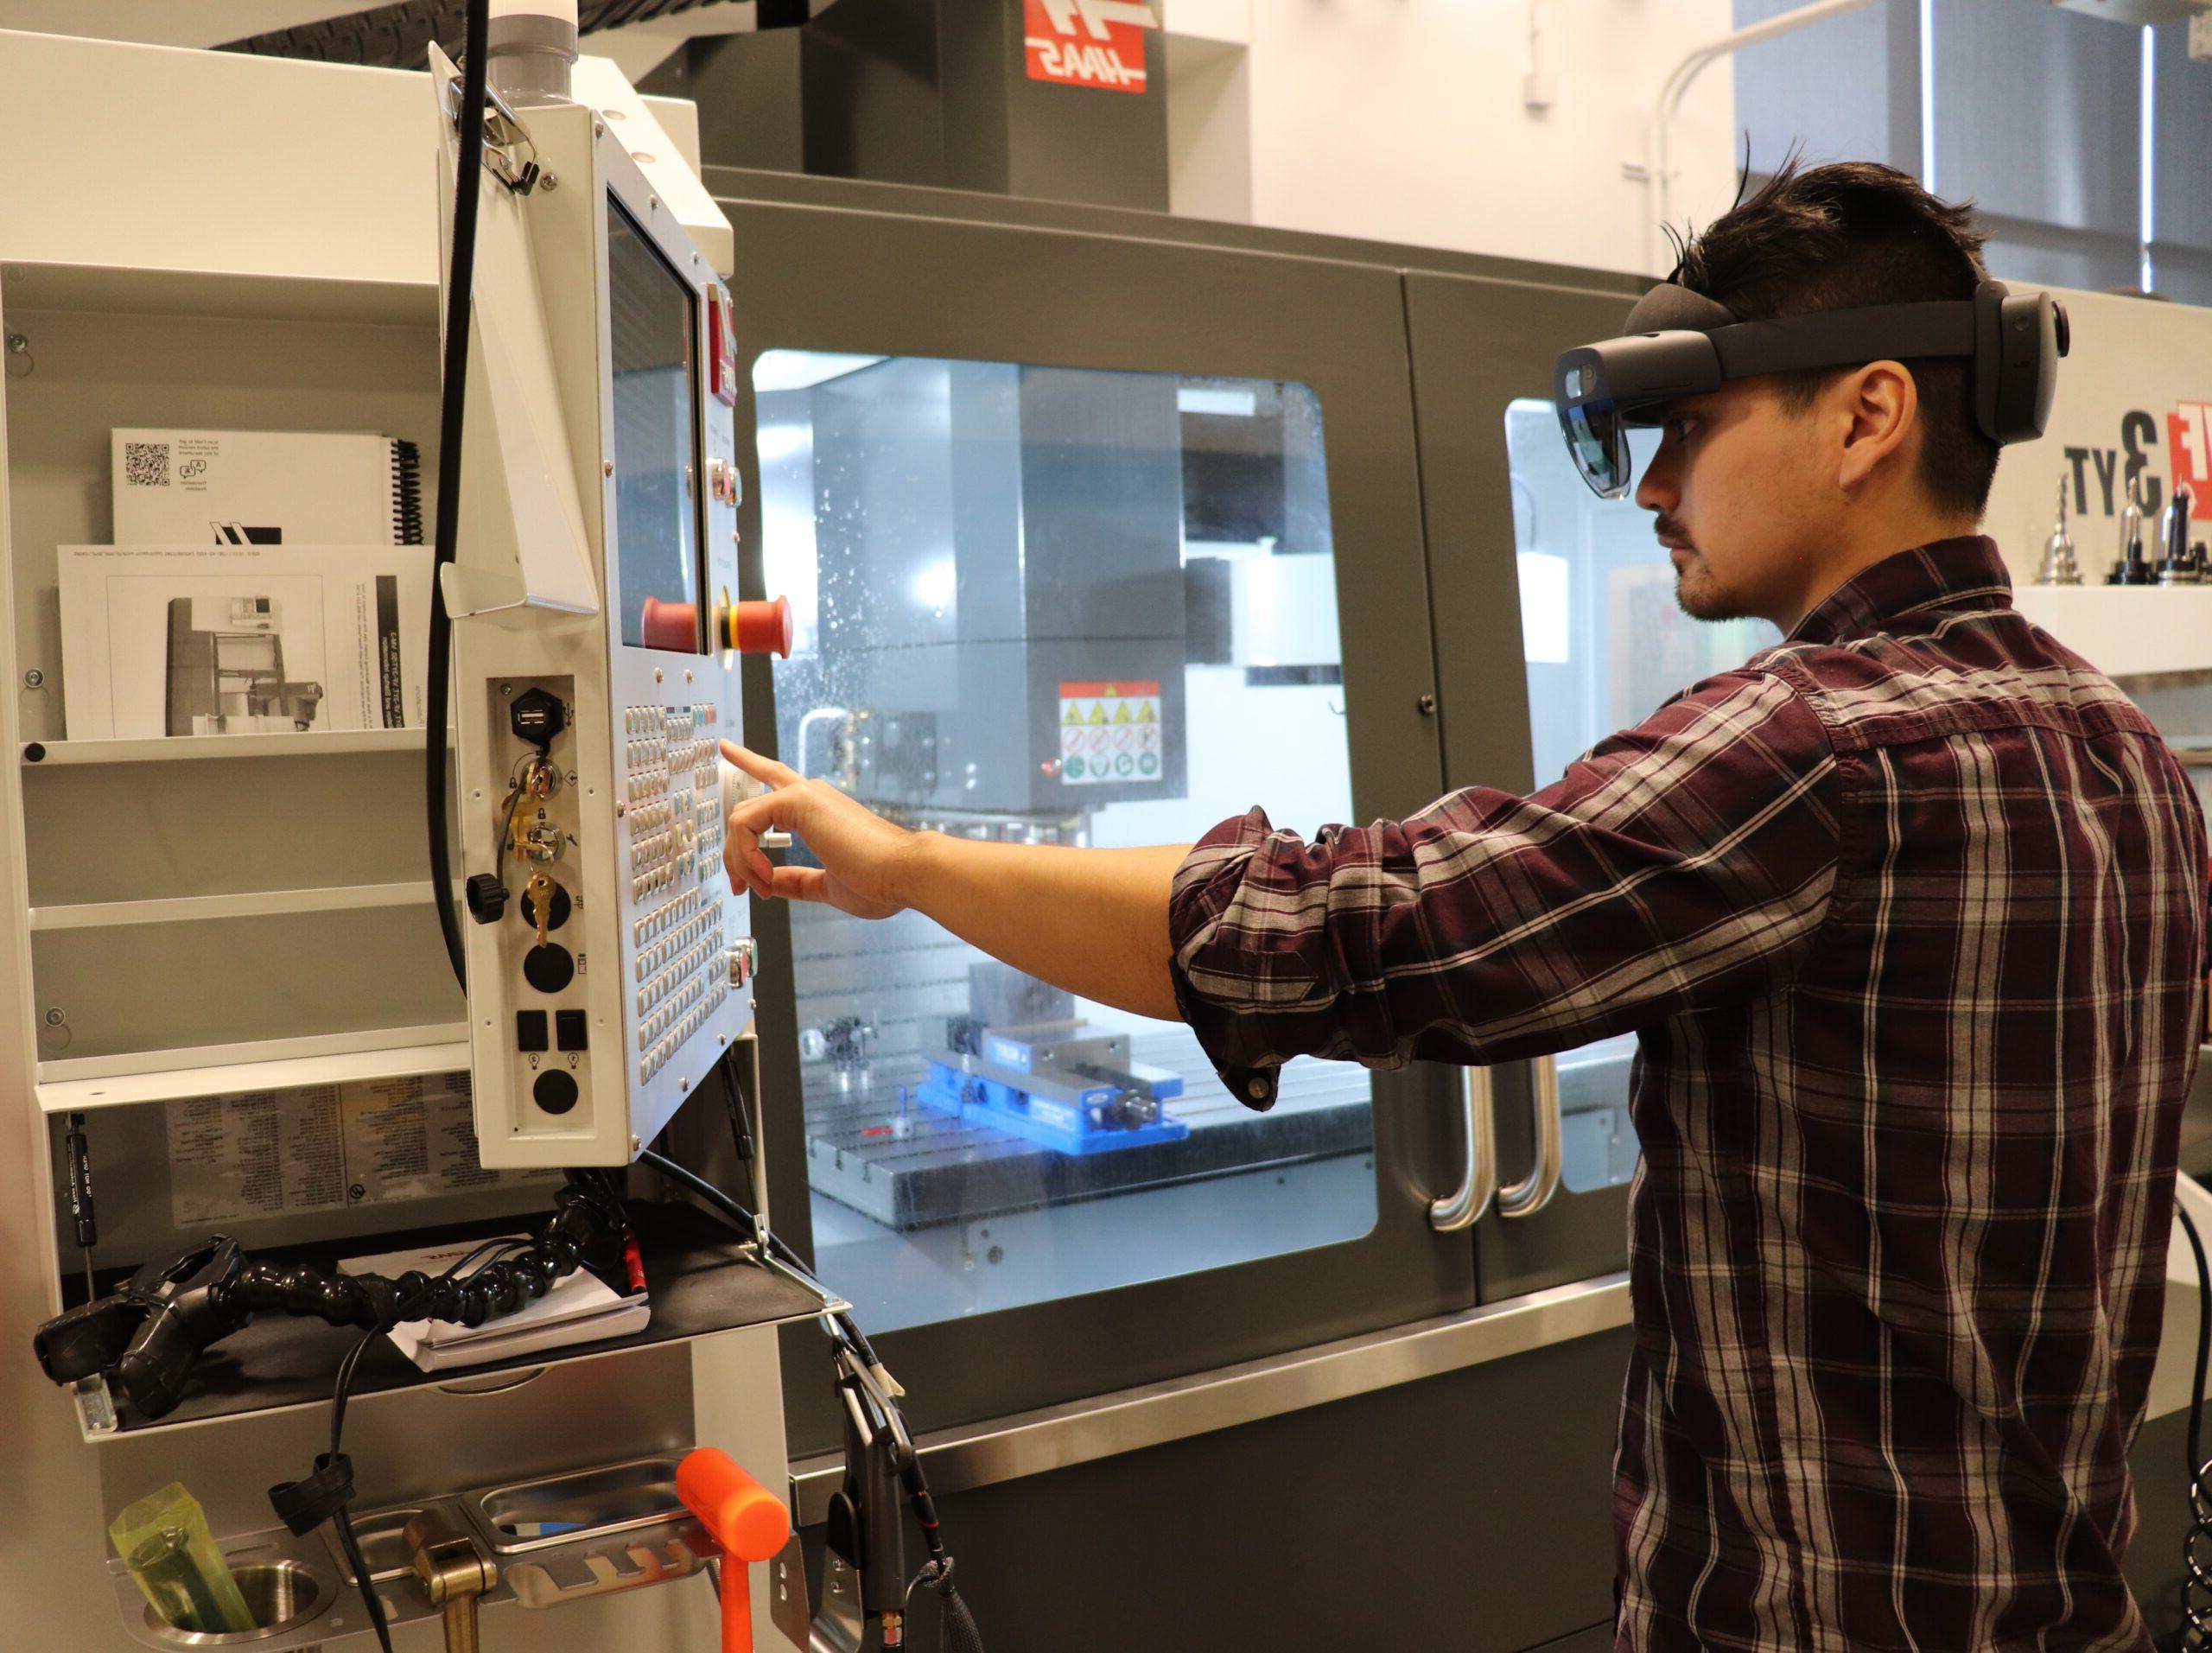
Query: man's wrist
(912, 868)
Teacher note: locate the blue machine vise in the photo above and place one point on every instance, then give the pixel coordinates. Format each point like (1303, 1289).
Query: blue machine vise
(1054, 1085)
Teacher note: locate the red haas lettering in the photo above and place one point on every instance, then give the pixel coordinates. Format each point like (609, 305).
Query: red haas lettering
(1087, 43)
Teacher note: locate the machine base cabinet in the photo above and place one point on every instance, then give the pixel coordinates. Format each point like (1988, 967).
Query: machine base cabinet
(1470, 1511)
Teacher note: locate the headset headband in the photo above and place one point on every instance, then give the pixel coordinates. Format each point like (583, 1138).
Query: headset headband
(1680, 343)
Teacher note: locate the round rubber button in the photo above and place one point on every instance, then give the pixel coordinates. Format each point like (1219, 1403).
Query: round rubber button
(549, 968)
(554, 1092)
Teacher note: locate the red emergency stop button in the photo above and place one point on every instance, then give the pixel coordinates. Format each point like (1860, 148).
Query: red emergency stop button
(761, 627)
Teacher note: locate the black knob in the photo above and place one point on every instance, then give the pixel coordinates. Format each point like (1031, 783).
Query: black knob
(486, 897)
(549, 968)
(554, 1092)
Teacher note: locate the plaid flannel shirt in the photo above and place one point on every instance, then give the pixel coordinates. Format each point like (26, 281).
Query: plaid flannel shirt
(1908, 916)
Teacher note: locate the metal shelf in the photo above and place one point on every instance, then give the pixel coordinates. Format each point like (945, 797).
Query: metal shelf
(248, 904)
(246, 295)
(42, 755)
(2126, 631)
(85, 1083)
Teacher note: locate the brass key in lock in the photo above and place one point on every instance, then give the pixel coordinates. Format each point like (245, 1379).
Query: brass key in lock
(539, 893)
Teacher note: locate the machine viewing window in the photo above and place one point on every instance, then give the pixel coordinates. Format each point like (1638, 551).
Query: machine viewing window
(1605, 644)
(653, 323)
(1048, 605)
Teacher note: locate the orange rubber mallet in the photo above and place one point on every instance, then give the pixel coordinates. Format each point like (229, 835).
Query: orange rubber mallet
(749, 1523)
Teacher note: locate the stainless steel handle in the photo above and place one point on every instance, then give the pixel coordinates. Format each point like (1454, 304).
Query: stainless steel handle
(1465, 1203)
(1533, 1192)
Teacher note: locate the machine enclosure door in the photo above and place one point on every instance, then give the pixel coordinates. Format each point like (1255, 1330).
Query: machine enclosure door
(1474, 371)
(1064, 320)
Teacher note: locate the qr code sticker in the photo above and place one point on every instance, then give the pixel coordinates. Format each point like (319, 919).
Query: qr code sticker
(146, 464)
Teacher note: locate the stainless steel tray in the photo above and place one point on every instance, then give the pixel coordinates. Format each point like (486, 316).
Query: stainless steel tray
(557, 1510)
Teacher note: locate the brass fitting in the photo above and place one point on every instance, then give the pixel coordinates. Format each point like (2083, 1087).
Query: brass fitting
(455, 1572)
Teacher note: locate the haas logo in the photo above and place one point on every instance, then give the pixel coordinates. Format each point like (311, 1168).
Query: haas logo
(1087, 43)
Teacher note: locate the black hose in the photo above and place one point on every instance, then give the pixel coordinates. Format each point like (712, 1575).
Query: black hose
(2196, 1571)
(461, 283)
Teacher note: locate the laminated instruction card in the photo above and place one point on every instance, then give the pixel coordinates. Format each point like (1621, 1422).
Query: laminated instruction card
(228, 639)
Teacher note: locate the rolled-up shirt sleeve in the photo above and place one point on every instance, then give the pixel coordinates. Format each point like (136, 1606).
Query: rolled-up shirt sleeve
(1682, 862)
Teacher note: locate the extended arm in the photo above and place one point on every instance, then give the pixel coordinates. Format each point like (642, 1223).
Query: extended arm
(1092, 921)
(1683, 863)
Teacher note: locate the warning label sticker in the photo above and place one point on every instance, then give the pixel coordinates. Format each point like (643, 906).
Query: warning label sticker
(323, 1147)
(1110, 733)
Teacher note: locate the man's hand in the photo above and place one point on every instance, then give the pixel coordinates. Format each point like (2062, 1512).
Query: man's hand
(862, 853)
(1093, 921)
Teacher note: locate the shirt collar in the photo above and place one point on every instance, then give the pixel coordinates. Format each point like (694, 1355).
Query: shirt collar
(1967, 573)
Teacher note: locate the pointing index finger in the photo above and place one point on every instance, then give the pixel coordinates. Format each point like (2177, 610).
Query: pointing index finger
(764, 770)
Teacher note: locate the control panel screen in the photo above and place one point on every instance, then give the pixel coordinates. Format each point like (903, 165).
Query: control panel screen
(652, 322)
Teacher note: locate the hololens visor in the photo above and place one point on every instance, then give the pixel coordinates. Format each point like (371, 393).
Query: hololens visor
(1679, 343)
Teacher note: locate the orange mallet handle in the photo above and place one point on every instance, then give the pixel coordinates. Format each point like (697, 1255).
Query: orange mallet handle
(748, 1522)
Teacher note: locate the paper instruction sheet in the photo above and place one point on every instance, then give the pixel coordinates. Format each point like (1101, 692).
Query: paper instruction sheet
(324, 1147)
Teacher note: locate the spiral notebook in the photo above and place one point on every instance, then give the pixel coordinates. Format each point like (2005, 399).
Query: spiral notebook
(266, 487)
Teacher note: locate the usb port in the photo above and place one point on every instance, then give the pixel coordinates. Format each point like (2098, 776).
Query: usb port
(568, 1031)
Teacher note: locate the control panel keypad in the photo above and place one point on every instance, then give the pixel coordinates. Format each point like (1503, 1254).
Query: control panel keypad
(673, 789)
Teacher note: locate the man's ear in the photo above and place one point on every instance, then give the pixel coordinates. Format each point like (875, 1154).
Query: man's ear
(1879, 406)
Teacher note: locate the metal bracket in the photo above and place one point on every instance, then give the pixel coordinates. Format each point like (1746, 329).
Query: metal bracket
(838, 1626)
(508, 150)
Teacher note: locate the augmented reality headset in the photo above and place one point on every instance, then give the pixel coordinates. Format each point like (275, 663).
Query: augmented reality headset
(1680, 343)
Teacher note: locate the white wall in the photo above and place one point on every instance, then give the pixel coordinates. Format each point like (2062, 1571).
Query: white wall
(1403, 120)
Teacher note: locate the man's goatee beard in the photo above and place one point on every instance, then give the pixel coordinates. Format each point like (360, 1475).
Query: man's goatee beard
(1709, 608)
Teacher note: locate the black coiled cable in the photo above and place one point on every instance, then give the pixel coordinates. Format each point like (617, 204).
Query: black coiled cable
(583, 1218)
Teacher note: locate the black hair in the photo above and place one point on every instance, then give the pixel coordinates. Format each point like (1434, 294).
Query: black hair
(1844, 236)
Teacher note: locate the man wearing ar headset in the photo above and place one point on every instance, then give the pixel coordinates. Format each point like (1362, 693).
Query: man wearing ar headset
(1907, 914)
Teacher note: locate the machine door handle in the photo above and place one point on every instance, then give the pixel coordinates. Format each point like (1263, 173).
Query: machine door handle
(1448, 1213)
(1533, 1192)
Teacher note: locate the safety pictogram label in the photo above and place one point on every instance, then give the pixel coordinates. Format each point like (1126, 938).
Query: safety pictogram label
(1110, 732)
(1098, 43)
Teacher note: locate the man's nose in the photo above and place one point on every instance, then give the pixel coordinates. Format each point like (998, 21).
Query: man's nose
(1660, 489)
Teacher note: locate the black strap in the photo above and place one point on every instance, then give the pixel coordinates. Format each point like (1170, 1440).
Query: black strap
(304, 1505)
(1841, 338)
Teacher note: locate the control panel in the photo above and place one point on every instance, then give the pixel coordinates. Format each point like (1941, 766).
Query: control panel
(609, 960)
